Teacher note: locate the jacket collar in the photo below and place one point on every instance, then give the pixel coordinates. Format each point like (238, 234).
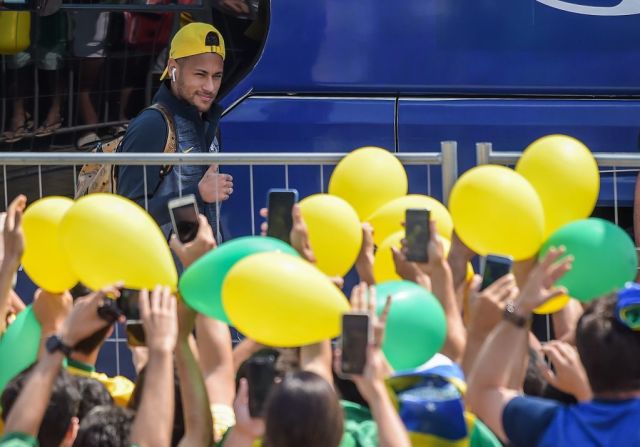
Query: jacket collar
(180, 107)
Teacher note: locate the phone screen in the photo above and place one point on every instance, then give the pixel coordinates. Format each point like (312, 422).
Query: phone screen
(184, 217)
(135, 333)
(280, 221)
(354, 342)
(495, 267)
(417, 234)
(261, 374)
(128, 304)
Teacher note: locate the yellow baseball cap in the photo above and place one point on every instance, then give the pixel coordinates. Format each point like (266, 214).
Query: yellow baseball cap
(195, 38)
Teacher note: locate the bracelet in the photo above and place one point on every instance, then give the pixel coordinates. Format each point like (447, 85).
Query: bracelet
(512, 317)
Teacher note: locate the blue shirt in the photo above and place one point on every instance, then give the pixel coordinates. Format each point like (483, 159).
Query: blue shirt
(535, 422)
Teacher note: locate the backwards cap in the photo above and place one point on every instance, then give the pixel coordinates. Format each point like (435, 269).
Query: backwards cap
(195, 38)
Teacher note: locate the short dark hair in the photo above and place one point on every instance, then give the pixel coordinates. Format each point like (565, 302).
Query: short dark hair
(303, 410)
(63, 405)
(93, 394)
(178, 417)
(106, 426)
(608, 349)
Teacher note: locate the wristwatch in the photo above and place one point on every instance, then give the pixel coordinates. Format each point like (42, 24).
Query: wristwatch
(512, 317)
(54, 343)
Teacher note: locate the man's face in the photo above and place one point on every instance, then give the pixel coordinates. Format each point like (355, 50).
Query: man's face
(198, 79)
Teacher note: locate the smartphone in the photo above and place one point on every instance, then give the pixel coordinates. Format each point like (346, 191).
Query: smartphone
(128, 303)
(356, 336)
(184, 217)
(416, 226)
(261, 374)
(280, 202)
(495, 267)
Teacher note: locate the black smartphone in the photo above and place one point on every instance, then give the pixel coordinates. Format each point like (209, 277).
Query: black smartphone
(184, 217)
(279, 203)
(495, 267)
(417, 234)
(261, 374)
(128, 303)
(356, 336)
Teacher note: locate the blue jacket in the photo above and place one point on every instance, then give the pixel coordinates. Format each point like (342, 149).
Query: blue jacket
(148, 133)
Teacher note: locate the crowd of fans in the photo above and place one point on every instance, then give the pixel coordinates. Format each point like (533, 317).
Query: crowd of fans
(192, 388)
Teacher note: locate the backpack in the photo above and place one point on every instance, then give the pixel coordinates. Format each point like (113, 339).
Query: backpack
(96, 177)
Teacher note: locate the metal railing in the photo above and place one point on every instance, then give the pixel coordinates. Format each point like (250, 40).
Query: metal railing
(447, 158)
(610, 161)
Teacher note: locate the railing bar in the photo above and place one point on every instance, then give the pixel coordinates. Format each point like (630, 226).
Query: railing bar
(321, 177)
(40, 180)
(62, 158)
(75, 183)
(615, 196)
(613, 159)
(6, 193)
(252, 202)
(286, 176)
(144, 181)
(428, 180)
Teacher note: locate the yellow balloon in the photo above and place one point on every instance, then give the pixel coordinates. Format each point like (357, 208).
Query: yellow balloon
(109, 238)
(281, 300)
(553, 305)
(368, 178)
(384, 269)
(45, 260)
(335, 232)
(389, 217)
(565, 175)
(496, 210)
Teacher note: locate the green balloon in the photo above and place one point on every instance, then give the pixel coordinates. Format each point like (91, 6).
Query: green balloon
(19, 346)
(201, 284)
(604, 257)
(416, 325)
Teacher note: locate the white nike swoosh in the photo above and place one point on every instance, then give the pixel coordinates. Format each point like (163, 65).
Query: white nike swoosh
(187, 150)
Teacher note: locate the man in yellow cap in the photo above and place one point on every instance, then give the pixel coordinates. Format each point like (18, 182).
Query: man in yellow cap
(185, 107)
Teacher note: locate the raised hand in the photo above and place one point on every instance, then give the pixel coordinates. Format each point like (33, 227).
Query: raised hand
(159, 318)
(568, 374)
(215, 187)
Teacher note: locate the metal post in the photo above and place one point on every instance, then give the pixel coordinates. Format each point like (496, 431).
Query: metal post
(449, 162)
(483, 153)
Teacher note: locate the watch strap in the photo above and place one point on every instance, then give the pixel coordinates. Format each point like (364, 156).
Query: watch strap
(512, 317)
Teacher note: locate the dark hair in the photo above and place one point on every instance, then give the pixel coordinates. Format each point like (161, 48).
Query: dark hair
(93, 394)
(63, 405)
(303, 410)
(92, 342)
(105, 426)
(178, 416)
(608, 349)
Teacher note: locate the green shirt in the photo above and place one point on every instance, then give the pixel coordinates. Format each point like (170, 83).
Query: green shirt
(18, 440)
(360, 430)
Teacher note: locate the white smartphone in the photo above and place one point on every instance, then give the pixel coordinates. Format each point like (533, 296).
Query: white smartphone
(184, 217)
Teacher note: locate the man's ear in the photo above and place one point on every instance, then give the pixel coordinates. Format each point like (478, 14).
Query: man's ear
(72, 432)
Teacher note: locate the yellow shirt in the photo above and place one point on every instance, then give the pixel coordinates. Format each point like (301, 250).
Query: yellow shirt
(119, 387)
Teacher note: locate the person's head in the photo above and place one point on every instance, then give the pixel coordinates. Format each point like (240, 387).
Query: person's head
(195, 66)
(105, 426)
(60, 423)
(93, 394)
(303, 410)
(609, 350)
(92, 344)
(178, 416)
